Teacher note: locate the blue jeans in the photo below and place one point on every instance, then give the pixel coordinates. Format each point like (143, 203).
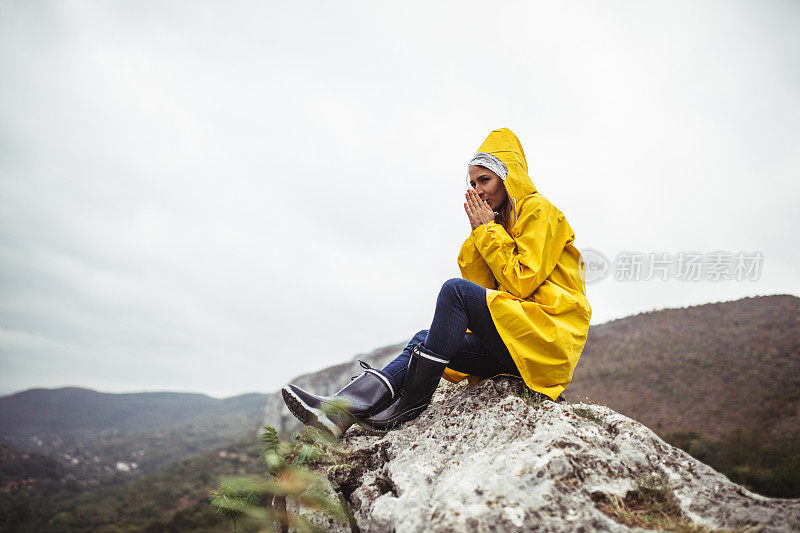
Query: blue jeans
(461, 304)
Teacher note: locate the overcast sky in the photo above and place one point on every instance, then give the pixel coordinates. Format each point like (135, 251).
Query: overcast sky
(217, 197)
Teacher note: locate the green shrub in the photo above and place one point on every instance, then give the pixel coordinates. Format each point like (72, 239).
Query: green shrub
(292, 474)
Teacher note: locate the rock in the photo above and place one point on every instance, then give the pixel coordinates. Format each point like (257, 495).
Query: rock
(491, 459)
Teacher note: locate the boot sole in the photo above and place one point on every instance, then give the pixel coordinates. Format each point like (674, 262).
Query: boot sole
(369, 430)
(394, 425)
(308, 415)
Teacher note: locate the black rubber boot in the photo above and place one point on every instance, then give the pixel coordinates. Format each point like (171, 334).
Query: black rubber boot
(422, 377)
(366, 394)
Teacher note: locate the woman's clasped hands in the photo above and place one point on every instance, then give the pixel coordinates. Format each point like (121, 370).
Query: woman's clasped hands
(478, 211)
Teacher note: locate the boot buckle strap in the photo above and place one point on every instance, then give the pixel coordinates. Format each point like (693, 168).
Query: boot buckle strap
(383, 378)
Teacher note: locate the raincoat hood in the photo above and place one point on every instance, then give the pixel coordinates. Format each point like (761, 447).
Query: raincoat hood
(504, 145)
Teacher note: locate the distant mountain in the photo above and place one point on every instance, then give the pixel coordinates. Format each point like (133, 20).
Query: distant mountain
(101, 435)
(710, 368)
(83, 411)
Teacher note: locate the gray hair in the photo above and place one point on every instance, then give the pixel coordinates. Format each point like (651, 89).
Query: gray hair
(491, 162)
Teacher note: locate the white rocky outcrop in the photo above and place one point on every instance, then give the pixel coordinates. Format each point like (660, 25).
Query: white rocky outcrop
(490, 459)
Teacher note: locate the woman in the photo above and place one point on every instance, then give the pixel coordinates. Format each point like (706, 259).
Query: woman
(520, 309)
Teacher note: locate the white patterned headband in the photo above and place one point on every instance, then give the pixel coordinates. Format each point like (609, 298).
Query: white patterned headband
(491, 162)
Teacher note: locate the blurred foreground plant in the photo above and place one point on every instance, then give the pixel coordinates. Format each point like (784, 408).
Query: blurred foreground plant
(261, 506)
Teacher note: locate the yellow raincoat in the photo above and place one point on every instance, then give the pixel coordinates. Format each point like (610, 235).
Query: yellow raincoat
(538, 298)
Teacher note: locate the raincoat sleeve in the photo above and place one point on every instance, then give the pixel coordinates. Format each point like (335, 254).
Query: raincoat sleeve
(521, 263)
(473, 267)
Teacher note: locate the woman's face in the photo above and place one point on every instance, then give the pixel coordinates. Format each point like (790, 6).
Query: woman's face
(488, 185)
